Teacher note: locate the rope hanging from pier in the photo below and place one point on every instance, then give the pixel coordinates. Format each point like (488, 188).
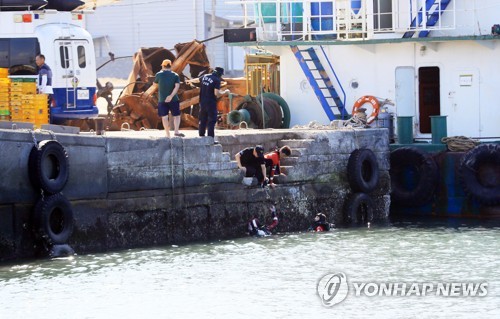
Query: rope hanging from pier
(459, 143)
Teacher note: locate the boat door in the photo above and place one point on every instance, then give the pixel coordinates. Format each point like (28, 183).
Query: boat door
(71, 66)
(405, 91)
(429, 101)
(464, 111)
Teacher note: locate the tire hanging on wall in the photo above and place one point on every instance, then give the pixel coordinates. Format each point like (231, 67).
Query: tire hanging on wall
(479, 173)
(414, 176)
(358, 210)
(48, 166)
(362, 171)
(57, 251)
(53, 219)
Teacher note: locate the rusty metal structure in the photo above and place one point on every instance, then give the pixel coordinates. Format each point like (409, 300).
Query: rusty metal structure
(135, 110)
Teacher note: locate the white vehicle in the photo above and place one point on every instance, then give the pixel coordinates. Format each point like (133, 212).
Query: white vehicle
(68, 50)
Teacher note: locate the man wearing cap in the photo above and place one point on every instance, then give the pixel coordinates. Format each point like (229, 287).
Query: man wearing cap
(251, 162)
(209, 92)
(167, 83)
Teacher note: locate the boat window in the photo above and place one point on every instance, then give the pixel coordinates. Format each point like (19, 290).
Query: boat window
(19, 55)
(382, 11)
(82, 62)
(4, 53)
(64, 54)
(22, 51)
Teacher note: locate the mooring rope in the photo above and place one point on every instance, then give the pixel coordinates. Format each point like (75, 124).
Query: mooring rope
(357, 120)
(459, 143)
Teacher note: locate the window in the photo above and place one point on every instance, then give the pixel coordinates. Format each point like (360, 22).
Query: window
(4, 53)
(64, 54)
(382, 18)
(82, 62)
(19, 55)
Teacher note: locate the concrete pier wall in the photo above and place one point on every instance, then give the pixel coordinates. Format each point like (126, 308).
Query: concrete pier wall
(134, 191)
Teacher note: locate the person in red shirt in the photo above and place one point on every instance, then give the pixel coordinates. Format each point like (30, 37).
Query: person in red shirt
(273, 162)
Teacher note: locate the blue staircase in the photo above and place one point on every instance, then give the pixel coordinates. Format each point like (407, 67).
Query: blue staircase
(434, 9)
(321, 82)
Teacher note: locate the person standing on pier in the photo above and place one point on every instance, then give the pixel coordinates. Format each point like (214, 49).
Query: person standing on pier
(209, 92)
(167, 82)
(251, 162)
(44, 85)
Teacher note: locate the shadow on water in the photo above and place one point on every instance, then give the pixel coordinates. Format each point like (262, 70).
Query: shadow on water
(442, 222)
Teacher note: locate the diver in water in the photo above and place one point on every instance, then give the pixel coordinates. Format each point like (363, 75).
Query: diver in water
(320, 223)
(256, 229)
(274, 222)
(254, 226)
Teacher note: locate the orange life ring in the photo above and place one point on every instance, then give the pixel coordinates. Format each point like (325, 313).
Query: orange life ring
(368, 99)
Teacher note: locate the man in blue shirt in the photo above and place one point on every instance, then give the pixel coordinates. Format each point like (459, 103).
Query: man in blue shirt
(209, 92)
(44, 85)
(167, 82)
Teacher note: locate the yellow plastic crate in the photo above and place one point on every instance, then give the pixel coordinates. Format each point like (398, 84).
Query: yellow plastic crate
(29, 91)
(41, 97)
(40, 122)
(42, 110)
(27, 113)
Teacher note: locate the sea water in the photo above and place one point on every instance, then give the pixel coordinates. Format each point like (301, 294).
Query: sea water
(272, 277)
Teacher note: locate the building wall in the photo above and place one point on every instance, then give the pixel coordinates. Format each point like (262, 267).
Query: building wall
(124, 27)
(131, 24)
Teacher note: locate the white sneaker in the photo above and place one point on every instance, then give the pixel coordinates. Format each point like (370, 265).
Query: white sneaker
(247, 181)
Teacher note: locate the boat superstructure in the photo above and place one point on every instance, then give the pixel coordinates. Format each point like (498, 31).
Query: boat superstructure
(427, 57)
(432, 64)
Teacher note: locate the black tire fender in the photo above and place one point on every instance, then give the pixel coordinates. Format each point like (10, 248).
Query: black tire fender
(48, 166)
(54, 219)
(363, 171)
(414, 177)
(479, 173)
(358, 210)
(58, 251)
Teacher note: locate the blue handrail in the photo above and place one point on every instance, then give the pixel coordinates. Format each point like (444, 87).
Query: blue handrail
(336, 77)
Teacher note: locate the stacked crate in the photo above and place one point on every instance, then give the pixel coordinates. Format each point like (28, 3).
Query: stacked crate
(19, 101)
(16, 101)
(41, 109)
(4, 95)
(26, 105)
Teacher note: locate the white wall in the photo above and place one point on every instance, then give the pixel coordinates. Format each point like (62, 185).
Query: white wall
(131, 24)
(227, 15)
(124, 27)
(470, 115)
